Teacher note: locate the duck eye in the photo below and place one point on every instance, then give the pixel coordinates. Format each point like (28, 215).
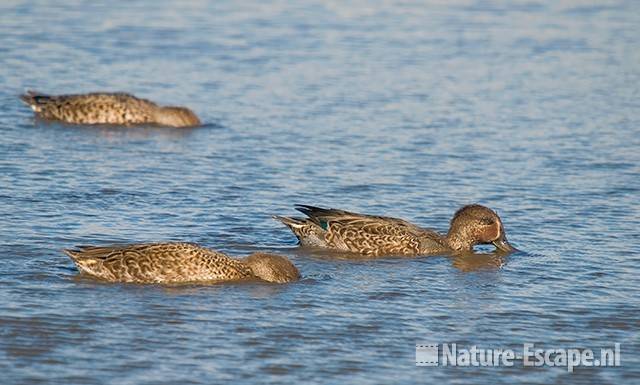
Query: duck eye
(487, 221)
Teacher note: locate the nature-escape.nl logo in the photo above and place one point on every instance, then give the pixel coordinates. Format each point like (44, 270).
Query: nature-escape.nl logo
(449, 354)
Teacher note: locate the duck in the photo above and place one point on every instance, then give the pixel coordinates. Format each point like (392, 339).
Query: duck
(177, 262)
(114, 108)
(372, 235)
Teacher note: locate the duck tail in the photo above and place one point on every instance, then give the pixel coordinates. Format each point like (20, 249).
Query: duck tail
(34, 99)
(292, 223)
(85, 263)
(74, 254)
(306, 230)
(298, 226)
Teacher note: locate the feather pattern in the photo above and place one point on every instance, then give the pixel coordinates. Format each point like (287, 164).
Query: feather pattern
(360, 233)
(107, 108)
(378, 235)
(176, 262)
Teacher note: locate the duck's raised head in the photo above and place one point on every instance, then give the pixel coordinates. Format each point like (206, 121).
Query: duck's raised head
(272, 268)
(475, 224)
(176, 117)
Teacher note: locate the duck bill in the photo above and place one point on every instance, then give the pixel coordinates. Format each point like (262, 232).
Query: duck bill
(504, 246)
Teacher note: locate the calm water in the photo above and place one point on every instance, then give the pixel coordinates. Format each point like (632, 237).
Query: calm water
(409, 110)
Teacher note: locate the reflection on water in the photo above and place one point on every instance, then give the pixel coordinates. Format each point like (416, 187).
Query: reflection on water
(464, 262)
(115, 133)
(473, 262)
(409, 110)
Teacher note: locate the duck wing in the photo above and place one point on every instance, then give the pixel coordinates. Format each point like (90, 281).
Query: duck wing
(157, 262)
(91, 108)
(369, 234)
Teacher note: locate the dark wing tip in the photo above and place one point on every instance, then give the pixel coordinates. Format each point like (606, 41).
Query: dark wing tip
(72, 253)
(80, 251)
(309, 210)
(289, 221)
(31, 97)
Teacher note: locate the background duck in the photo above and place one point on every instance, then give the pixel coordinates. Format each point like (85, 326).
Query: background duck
(107, 108)
(378, 235)
(177, 262)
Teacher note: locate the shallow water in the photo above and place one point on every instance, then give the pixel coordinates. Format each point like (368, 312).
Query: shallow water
(405, 109)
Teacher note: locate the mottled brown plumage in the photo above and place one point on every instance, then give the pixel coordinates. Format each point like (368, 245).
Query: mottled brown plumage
(177, 262)
(378, 235)
(107, 108)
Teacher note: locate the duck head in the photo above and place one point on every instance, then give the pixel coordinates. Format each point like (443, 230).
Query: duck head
(474, 225)
(176, 117)
(272, 268)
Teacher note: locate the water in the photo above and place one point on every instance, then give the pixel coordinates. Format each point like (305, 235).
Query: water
(409, 110)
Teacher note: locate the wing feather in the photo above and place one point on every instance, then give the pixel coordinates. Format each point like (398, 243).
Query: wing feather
(369, 234)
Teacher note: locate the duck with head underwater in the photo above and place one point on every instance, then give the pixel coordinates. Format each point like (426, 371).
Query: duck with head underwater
(178, 262)
(113, 108)
(378, 235)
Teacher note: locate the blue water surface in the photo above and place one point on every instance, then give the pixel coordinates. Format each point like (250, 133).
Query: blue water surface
(406, 109)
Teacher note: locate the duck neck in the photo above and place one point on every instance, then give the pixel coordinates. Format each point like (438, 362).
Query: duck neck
(458, 241)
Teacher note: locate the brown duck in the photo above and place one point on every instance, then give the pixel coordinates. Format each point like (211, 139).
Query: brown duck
(107, 108)
(177, 263)
(377, 235)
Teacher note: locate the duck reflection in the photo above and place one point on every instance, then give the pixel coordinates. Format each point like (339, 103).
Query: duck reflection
(474, 262)
(465, 262)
